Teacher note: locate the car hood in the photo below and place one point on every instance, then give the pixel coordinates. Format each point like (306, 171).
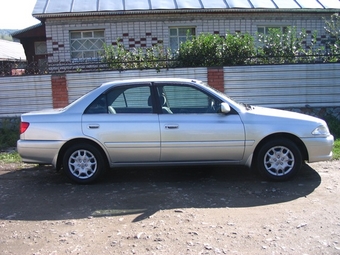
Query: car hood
(284, 115)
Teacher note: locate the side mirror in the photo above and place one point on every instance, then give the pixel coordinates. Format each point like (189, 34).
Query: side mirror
(225, 108)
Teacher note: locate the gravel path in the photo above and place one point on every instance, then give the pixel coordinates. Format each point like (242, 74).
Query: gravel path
(170, 211)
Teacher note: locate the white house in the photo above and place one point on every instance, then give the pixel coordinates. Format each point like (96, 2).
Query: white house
(77, 29)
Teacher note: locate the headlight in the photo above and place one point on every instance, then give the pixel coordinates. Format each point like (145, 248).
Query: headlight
(321, 130)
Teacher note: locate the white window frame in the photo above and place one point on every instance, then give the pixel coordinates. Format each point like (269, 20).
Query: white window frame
(175, 39)
(86, 44)
(266, 28)
(40, 48)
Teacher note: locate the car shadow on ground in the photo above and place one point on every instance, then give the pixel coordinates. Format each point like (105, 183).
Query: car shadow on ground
(40, 193)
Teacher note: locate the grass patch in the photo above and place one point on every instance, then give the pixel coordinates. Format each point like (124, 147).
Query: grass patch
(336, 149)
(9, 157)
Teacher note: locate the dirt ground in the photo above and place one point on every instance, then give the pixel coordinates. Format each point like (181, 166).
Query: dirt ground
(191, 210)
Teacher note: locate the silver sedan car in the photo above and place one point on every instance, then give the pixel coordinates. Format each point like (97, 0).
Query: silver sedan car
(170, 122)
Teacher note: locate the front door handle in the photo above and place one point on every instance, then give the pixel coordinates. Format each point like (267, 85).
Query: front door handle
(171, 126)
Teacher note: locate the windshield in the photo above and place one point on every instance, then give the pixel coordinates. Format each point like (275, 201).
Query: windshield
(225, 96)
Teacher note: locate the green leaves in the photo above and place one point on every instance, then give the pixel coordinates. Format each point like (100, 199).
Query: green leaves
(214, 50)
(119, 58)
(333, 29)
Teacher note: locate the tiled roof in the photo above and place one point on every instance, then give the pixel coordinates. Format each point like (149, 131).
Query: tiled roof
(48, 7)
(11, 51)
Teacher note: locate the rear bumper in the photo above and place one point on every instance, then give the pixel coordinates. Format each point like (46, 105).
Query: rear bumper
(39, 152)
(319, 149)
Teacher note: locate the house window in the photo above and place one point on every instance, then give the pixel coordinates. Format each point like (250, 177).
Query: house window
(179, 35)
(40, 48)
(87, 44)
(266, 29)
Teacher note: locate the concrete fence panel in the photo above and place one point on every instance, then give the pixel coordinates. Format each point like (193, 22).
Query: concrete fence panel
(285, 86)
(24, 93)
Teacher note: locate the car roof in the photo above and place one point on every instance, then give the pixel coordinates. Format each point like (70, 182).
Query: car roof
(144, 80)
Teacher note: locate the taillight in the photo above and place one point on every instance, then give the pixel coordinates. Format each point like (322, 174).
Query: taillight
(23, 127)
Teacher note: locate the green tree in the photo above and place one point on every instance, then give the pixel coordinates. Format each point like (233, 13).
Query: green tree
(332, 27)
(119, 58)
(279, 47)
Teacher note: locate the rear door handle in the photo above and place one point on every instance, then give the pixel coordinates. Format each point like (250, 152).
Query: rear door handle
(93, 126)
(171, 126)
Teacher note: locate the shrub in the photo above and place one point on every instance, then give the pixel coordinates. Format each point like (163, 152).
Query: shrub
(278, 47)
(333, 29)
(119, 58)
(238, 49)
(9, 133)
(214, 50)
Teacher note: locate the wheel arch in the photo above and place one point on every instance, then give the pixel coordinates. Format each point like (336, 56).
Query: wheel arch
(78, 141)
(291, 137)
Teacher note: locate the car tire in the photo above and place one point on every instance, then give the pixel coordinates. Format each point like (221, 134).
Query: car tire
(83, 163)
(279, 160)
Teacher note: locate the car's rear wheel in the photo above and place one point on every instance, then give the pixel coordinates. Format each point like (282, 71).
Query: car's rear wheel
(83, 163)
(279, 159)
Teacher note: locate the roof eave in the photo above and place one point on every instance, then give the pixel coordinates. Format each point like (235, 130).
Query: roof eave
(15, 33)
(106, 13)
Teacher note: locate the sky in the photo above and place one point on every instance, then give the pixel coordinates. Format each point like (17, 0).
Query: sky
(17, 14)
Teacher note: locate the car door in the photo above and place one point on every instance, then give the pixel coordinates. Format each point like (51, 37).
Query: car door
(123, 120)
(193, 130)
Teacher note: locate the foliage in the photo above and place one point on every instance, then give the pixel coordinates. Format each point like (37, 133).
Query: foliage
(119, 58)
(9, 133)
(336, 149)
(281, 47)
(214, 50)
(238, 49)
(334, 127)
(332, 27)
(203, 50)
(333, 124)
(9, 157)
(5, 34)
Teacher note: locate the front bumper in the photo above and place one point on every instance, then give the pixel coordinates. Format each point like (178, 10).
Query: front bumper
(319, 149)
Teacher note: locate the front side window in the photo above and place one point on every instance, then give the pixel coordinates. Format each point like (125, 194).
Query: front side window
(184, 99)
(87, 44)
(179, 35)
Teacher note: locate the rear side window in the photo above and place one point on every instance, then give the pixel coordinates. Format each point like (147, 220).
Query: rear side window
(136, 97)
(97, 106)
(126, 99)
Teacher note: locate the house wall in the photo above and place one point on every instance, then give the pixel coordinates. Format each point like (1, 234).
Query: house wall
(312, 89)
(147, 30)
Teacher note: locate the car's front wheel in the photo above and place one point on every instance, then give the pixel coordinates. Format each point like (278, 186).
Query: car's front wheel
(279, 159)
(83, 163)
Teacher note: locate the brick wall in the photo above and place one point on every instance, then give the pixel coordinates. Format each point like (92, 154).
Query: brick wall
(59, 91)
(216, 78)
